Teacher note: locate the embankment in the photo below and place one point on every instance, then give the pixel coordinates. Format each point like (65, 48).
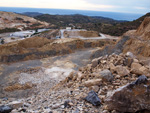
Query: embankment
(37, 47)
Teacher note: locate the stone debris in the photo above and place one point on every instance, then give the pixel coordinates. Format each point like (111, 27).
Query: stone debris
(113, 83)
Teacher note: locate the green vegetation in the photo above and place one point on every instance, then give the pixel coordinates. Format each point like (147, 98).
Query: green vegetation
(73, 20)
(120, 28)
(17, 18)
(35, 25)
(27, 22)
(100, 24)
(2, 41)
(6, 30)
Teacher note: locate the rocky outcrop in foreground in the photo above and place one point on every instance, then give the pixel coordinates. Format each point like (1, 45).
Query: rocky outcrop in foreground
(132, 97)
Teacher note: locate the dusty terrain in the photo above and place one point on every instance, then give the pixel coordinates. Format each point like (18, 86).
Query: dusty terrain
(112, 79)
(15, 76)
(86, 34)
(38, 47)
(12, 20)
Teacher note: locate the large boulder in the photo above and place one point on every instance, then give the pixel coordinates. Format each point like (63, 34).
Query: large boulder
(135, 65)
(95, 62)
(93, 98)
(132, 97)
(122, 71)
(136, 71)
(5, 109)
(106, 75)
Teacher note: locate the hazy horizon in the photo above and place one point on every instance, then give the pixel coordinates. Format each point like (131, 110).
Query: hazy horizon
(53, 11)
(128, 6)
(78, 10)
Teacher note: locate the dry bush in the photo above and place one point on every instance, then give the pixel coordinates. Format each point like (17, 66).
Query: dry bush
(89, 33)
(18, 86)
(35, 42)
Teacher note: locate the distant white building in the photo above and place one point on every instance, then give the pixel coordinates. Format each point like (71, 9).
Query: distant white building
(68, 28)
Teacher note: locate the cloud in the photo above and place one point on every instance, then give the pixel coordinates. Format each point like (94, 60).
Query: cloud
(132, 6)
(128, 6)
(140, 8)
(63, 4)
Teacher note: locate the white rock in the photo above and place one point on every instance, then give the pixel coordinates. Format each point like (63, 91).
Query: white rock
(129, 54)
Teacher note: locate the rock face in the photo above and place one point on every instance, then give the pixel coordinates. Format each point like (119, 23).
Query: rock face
(5, 109)
(139, 40)
(108, 50)
(143, 30)
(132, 97)
(93, 98)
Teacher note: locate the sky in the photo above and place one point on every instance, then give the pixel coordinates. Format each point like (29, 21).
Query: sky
(126, 6)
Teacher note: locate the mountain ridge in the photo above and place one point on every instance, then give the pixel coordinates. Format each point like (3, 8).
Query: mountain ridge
(100, 24)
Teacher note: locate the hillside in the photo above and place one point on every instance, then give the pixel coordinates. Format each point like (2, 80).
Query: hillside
(39, 47)
(135, 41)
(73, 20)
(144, 29)
(32, 14)
(100, 24)
(10, 21)
(119, 29)
(139, 39)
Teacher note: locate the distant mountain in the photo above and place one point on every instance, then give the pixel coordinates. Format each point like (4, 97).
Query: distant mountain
(32, 14)
(120, 28)
(96, 23)
(78, 21)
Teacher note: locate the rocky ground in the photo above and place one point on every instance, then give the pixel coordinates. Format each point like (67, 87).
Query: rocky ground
(80, 33)
(110, 84)
(25, 74)
(114, 82)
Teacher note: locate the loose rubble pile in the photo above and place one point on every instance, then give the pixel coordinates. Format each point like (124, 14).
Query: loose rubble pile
(110, 84)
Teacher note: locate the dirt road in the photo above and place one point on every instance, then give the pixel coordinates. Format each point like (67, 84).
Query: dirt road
(51, 70)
